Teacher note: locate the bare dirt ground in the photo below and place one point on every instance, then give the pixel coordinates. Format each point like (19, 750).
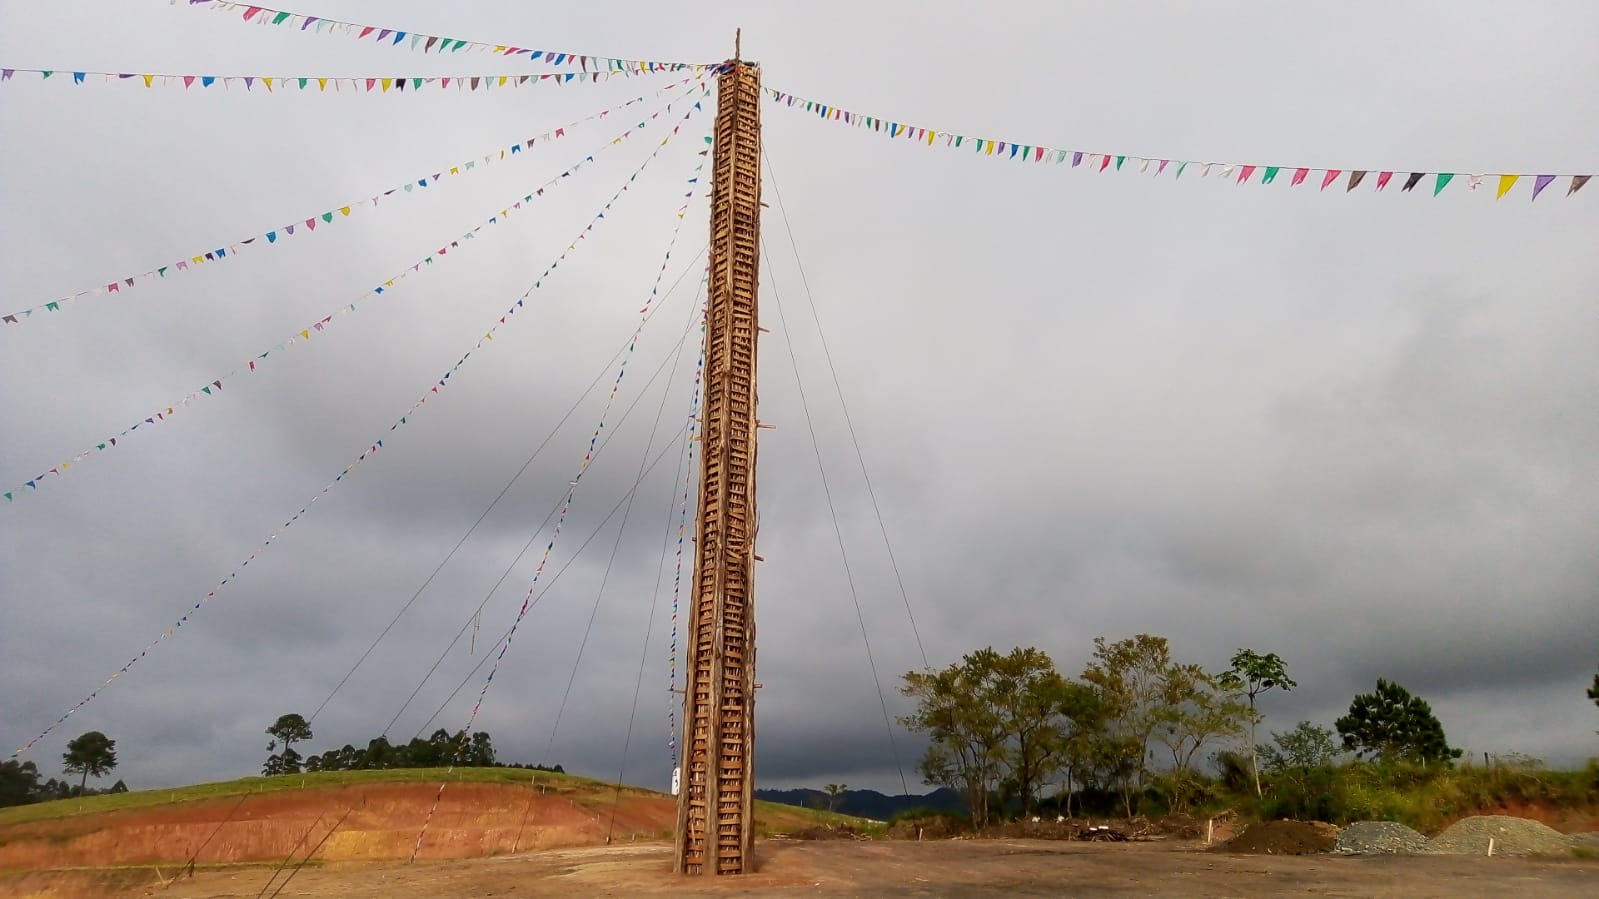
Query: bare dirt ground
(952, 868)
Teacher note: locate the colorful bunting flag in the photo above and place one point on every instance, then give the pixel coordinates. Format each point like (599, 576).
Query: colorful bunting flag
(1046, 155)
(428, 43)
(272, 236)
(321, 324)
(321, 83)
(370, 451)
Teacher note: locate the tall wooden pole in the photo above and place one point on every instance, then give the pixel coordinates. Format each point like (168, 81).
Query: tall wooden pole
(715, 817)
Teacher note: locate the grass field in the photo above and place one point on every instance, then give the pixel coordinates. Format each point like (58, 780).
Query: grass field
(769, 815)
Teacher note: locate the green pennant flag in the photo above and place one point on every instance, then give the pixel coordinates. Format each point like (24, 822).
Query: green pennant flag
(1119, 161)
(206, 390)
(958, 139)
(327, 216)
(302, 83)
(280, 18)
(1180, 167)
(1443, 179)
(1271, 174)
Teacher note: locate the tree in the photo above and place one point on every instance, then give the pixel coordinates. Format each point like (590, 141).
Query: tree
(1128, 677)
(91, 754)
(834, 791)
(1306, 746)
(288, 730)
(955, 708)
(1593, 691)
(19, 782)
(1393, 725)
(1255, 674)
(1029, 692)
(1193, 710)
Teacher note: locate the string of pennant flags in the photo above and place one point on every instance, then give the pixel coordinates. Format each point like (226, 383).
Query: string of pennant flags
(321, 83)
(318, 327)
(428, 43)
(309, 224)
(571, 493)
(373, 447)
(1239, 173)
(672, 702)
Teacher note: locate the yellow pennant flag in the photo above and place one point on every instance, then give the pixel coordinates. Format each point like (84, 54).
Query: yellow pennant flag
(386, 83)
(345, 210)
(930, 135)
(148, 79)
(502, 81)
(321, 84)
(268, 83)
(1506, 182)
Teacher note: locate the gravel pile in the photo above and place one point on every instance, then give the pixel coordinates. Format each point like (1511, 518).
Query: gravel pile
(1372, 837)
(1511, 836)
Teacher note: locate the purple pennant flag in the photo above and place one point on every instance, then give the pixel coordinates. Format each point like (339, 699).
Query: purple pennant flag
(1541, 182)
(1077, 159)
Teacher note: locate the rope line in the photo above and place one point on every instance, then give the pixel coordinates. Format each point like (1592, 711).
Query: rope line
(848, 421)
(476, 613)
(560, 520)
(372, 450)
(833, 514)
(283, 232)
(660, 566)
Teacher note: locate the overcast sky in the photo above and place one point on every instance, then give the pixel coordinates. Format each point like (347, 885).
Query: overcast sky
(1355, 429)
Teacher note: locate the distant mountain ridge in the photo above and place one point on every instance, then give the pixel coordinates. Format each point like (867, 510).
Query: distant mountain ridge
(867, 803)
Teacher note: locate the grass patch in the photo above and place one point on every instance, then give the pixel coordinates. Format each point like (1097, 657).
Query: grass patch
(112, 802)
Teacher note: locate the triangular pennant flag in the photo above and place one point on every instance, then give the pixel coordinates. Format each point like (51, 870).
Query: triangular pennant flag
(1506, 182)
(1299, 177)
(1577, 181)
(1332, 175)
(1443, 180)
(1354, 180)
(1244, 173)
(1539, 183)
(1413, 180)
(1382, 179)
(1270, 174)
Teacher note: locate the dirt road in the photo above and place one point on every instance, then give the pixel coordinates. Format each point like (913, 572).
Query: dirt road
(891, 868)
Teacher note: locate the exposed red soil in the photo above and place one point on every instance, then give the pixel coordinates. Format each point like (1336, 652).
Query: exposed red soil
(1283, 838)
(374, 822)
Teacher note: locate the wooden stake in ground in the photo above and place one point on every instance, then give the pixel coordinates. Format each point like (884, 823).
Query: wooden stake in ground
(715, 820)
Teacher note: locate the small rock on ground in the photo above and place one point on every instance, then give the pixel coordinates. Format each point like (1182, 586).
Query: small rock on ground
(1511, 836)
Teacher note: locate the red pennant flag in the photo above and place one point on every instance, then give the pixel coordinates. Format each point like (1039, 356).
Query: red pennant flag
(1104, 162)
(1382, 179)
(1332, 175)
(1299, 176)
(1244, 173)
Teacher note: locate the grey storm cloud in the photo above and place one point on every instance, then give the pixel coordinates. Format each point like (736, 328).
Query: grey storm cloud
(1356, 429)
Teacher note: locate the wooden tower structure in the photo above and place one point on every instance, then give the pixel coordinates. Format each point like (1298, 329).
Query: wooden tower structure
(715, 816)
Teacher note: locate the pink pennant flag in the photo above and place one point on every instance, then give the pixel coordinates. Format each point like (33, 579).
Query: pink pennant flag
(188, 80)
(1162, 167)
(1244, 173)
(1332, 175)
(1299, 177)
(1382, 179)
(1104, 162)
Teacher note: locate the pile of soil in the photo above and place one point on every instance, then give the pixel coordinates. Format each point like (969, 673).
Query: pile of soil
(1511, 836)
(1283, 838)
(933, 827)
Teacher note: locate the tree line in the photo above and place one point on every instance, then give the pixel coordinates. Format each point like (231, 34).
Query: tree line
(1133, 728)
(91, 754)
(440, 750)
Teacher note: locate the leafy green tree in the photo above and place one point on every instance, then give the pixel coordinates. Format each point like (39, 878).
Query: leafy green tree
(955, 707)
(1255, 674)
(1306, 746)
(834, 791)
(1193, 711)
(91, 754)
(19, 782)
(1129, 678)
(1593, 691)
(288, 730)
(1393, 725)
(1028, 692)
